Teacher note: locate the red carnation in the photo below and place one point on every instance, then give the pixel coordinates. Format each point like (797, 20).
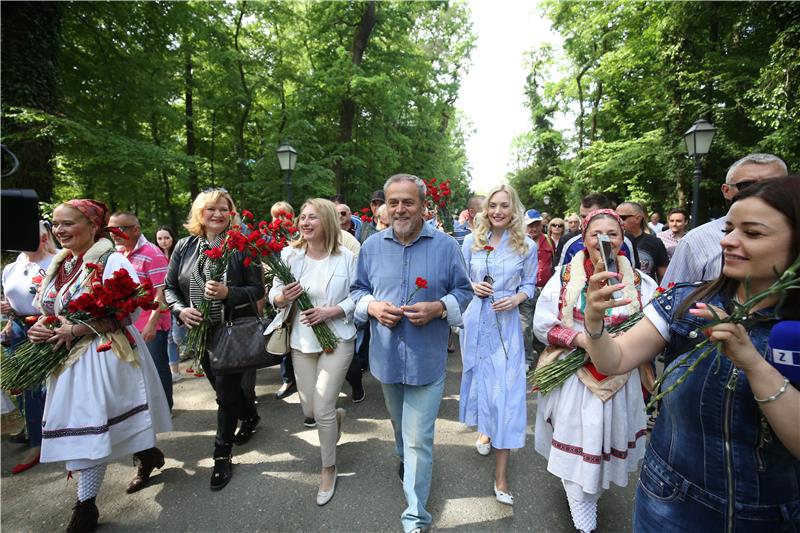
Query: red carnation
(247, 261)
(214, 253)
(488, 248)
(106, 346)
(247, 214)
(422, 283)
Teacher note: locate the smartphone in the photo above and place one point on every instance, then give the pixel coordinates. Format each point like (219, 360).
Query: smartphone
(609, 259)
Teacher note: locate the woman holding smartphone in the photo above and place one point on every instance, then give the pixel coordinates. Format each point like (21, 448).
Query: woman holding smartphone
(592, 428)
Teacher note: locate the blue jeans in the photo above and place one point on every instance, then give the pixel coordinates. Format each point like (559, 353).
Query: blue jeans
(413, 410)
(666, 501)
(32, 404)
(287, 370)
(158, 351)
(177, 334)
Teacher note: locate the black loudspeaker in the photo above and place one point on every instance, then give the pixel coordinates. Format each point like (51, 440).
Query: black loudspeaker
(19, 214)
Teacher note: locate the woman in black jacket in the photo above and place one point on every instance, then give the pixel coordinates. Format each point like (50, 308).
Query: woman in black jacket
(186, 284)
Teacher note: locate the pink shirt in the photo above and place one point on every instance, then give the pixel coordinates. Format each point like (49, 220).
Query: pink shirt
(151, 264)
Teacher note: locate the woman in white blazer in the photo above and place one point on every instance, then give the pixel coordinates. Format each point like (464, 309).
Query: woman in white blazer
(324, 269)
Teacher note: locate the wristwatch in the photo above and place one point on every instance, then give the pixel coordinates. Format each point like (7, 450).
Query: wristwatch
(444, 311)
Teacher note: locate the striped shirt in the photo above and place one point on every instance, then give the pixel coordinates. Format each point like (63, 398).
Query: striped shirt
(151, 264)
(698, 256)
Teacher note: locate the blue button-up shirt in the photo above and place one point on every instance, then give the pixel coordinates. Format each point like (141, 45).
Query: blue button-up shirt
(387, 271)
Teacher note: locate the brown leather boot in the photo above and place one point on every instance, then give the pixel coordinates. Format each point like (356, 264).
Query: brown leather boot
(84, 517)
(149, 460)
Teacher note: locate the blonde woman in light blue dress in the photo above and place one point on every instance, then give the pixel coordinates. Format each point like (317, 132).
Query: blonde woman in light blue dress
(502, 265)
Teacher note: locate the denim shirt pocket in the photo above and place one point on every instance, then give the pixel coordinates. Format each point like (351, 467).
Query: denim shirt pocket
(685, 334)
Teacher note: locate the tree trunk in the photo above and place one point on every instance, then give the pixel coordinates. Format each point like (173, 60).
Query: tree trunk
(173, 217)
(241, 152)
(194, 186)
(30, 42)
(347, 106)
(581, 114)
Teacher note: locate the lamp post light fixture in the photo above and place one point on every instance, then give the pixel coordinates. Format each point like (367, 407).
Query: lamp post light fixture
(698, 143)
(287, 159)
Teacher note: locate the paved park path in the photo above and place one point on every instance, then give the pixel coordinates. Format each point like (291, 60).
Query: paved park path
(276, 476)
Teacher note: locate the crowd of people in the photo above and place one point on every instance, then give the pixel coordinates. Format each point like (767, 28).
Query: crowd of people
(516, 288)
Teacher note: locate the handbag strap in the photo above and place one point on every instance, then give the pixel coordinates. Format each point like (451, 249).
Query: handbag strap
(229, 319)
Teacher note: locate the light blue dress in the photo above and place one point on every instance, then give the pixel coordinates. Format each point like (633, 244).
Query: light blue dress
(493, 388)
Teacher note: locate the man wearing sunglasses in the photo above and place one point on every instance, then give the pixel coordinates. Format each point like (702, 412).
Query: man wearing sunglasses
(698, 256)
(151, 264)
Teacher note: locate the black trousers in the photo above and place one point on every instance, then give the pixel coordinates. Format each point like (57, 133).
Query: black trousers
(233, 404)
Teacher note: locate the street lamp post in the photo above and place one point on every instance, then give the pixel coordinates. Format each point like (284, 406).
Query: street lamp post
(287, 159)
(698, 143)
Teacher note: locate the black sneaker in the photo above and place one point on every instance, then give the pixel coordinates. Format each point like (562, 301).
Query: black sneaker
(310, 423)
(358, 393)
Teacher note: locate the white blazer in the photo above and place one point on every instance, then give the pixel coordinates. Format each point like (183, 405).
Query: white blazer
(341, 274)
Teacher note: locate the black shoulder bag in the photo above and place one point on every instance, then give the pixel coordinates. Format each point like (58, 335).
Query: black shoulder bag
(237, 344)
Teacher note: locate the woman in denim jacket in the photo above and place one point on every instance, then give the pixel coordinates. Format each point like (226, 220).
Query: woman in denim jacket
(724, 451)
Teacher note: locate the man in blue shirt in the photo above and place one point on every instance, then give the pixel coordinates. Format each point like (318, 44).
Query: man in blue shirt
(409, 328)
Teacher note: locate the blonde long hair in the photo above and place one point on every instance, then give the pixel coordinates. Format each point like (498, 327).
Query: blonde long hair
(515, 228)
(194, 222)
(326, 211)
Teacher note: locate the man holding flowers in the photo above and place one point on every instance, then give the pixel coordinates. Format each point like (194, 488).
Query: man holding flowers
(408, 343)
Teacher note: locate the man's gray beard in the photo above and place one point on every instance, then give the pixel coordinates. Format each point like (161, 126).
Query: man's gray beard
(412, 227)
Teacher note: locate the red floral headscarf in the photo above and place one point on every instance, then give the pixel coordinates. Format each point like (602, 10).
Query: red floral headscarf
(598, 212)
(97, 213)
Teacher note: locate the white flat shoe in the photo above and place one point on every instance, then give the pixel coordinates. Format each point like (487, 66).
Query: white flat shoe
(340, 414)
(483, 448)
(324, 497)
(503, 497)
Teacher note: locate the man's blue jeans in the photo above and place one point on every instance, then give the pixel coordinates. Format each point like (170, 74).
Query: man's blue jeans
(158, 351)
(413, 410)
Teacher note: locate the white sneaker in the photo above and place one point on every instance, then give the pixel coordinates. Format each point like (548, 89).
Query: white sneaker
(176, 377)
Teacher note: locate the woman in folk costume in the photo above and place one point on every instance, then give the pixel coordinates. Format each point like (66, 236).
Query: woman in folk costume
(101, 405)
(502, 265)
(592, 428)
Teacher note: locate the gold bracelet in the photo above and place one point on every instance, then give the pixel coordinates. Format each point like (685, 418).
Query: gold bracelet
(776, 395)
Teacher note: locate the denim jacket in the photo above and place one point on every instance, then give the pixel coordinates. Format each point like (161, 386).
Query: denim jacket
(711, 436)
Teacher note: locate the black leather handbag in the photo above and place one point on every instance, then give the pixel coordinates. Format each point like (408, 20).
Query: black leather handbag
(237, 345)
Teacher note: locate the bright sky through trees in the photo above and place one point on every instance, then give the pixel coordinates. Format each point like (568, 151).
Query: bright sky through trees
(492, 94)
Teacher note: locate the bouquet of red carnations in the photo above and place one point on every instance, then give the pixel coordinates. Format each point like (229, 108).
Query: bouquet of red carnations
(439, 196)
(275, 237)
(115, 298)
(262, 241)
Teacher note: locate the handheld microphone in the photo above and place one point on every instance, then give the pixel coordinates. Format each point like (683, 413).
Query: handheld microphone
(783, 351)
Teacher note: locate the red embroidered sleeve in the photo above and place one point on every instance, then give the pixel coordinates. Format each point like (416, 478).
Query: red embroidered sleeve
(561, 336)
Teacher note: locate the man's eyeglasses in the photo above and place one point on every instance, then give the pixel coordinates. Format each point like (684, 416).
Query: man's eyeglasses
(215, 189)
(743, 184)
(626, 217)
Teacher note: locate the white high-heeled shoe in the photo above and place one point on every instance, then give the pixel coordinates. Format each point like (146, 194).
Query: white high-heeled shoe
(324, 497)
(503, 497)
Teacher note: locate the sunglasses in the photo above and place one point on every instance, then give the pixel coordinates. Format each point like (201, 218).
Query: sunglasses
(626, 217)
(215, 189)
(343, 213)
(743, 184)
(556, 225)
